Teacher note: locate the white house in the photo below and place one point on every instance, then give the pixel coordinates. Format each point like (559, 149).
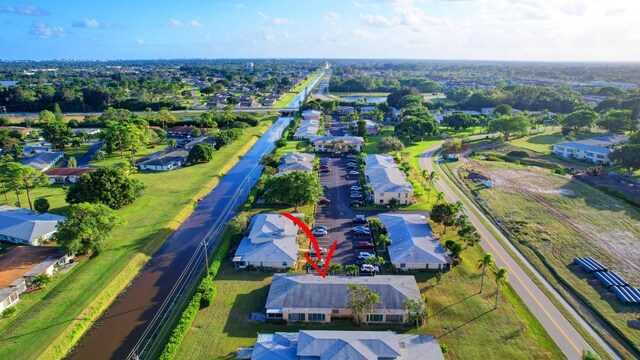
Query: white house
(311, 298)
(271, 243)
(595, 150)
(372, 128)
(42, 161)
(412, 244)
(345, 110)
(311, 114)
(22, 226)
(295, 161)
(387, 180)
(337, 144)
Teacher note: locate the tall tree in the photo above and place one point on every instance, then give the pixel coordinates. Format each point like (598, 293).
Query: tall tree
(580, 119)
(200, 153)
(41, 205)
(616, 121)
(165, 117)
(24, 177)
(627, 157)
(486, 261)
(501, 277)
(507, 125)
(295, 188)
(416, 311)
(361, 300)
(57, 133)
(110, 186)
(503, 109)
(390, 143)
(87, 228)
(444, 214)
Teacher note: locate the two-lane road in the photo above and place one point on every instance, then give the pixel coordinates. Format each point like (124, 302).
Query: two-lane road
(560, 329)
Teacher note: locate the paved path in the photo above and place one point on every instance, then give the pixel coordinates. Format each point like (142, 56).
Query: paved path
(84, 159)
(564, 334)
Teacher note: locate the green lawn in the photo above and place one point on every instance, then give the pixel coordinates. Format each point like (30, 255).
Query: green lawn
(543, 142)
(115, 158)
(70, 303)
(77, 152)
(305, 83)
(461, 318)
(592, 224)
(285, 101)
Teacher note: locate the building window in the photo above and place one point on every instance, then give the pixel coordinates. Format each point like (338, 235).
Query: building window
(394, 318)
(398, 195)
(284, 263)
(316, 317)
(296, 317)
(406, 195)
(335, 311)
(374, 317)
(402, 265)
(274, 315)
(381, 201)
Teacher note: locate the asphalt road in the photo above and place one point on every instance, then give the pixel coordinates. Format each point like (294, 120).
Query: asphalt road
(563, 332)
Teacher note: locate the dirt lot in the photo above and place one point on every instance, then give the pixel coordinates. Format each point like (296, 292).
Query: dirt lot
(21, 259)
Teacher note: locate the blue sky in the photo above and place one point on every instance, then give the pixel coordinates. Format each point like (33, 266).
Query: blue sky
(559, 30)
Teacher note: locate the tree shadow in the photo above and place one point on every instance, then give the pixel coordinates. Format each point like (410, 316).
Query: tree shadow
(451, 305)
(465, 323)
(38, 330)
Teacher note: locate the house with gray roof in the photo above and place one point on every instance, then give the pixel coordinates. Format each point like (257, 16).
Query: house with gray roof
(296, 161)
(311, 114)
(22, 226)
(271, 243)
(307, 129)
(354, 345)
(295, 297)
(595, 150)
(337, 144)
(165, 160)
(42, 161)
(387, 180)
(371, 127)
(412, 244)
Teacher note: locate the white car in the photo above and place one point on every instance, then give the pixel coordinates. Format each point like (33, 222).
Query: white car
(354, 173)
(365, 255)
(356, 188)
(319, 232)
(369, 268)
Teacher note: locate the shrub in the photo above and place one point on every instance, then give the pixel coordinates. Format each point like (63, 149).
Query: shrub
(7, 313)
(518, 153)
(559, 171)
(281, 142)
(188, 315)
(208, 291)
(444, 348)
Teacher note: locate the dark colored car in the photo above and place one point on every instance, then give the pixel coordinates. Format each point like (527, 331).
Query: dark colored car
(359, 219)
(356, 203)
(364, 245)
(324, 171)
(324, 166)
(324, 201)
(362, 236)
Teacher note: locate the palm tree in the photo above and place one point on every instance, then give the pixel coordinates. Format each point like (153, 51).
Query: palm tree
(501, 277)
(173, 143)
(461, 221)
(431, 180)
(484, 262)
(351, 270)
(440, 197)
(335, 269)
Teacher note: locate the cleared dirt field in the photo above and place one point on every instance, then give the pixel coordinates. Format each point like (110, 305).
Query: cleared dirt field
(552, 219)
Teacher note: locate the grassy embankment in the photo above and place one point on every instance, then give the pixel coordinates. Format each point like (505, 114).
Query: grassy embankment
(50, 321)
(290, 95)
(460, 317)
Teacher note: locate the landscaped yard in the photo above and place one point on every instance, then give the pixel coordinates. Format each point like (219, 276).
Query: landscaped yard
(461, 318)
(70, 303)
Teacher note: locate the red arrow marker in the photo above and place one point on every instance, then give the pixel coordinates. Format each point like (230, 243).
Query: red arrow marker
(306, 230)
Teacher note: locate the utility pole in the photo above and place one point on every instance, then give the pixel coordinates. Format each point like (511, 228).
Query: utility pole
(206, 256)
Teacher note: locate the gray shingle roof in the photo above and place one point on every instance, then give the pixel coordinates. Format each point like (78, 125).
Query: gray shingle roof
(412, 240)
(585, 147)
(346, 139)
(384, 175)
(42, 161)
(352, 345)
(301, 291)
(293, 157)
(272, 238)
(166, 158)
(26, 224)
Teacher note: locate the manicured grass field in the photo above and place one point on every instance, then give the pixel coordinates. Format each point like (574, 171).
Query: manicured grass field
(543, 142)
(285, 101)
(305, 83)
(461, 318)
(67, 305)
(593, 224)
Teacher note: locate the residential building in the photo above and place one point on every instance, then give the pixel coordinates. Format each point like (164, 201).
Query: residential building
(367, 109)
(295, 161)
(271, 243)
(29, 150)
(88, 131)
(66, 175)
(22, 264)
(395, 114)
(337, 144)
(387, 180)
(595, 150)
(311, 114)
(488, 111)
(335, 344)
(412, 244)
(345, 110)
(21, 129)
(22, 226)
(164, 160)
(42, 161)
(296, 298)
(307, 129)
(372, 128)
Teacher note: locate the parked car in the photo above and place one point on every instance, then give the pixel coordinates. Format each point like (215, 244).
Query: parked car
(351, 156)
(363, 255)
(324, 171)
(359, 219)
(324, 201)
(326, 187)
(356, 188)
(324, 166)
(319, 232)
(361, 233)
(325, 158)
(352, 163)
(354, 173)
(355, 203)
(364, 245)
(369, 268)
(351, 167)
(319, 227)
(362, 236)
(312, 251)
(361, 228)
(355, 196)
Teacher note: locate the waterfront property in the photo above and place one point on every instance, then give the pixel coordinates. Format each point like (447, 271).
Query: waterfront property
(22, 226)
(296, 298)
(387, 180)
(164, 160)
(412, 244)
(337, 144)
(295, 161)
(271, 243)
(333, 344)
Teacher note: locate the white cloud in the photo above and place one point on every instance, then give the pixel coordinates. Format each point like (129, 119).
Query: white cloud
(331, 16)
(176, 23)
(44, 31)
(239, 6)
(363, 34)
(26, 9)
(86, 23)
(263, 15)
(574, 8)
(139, 41)
(267, 34)
(195, 23)
(281, 21)
(614, 11)
(379, 20)
(357, 4)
